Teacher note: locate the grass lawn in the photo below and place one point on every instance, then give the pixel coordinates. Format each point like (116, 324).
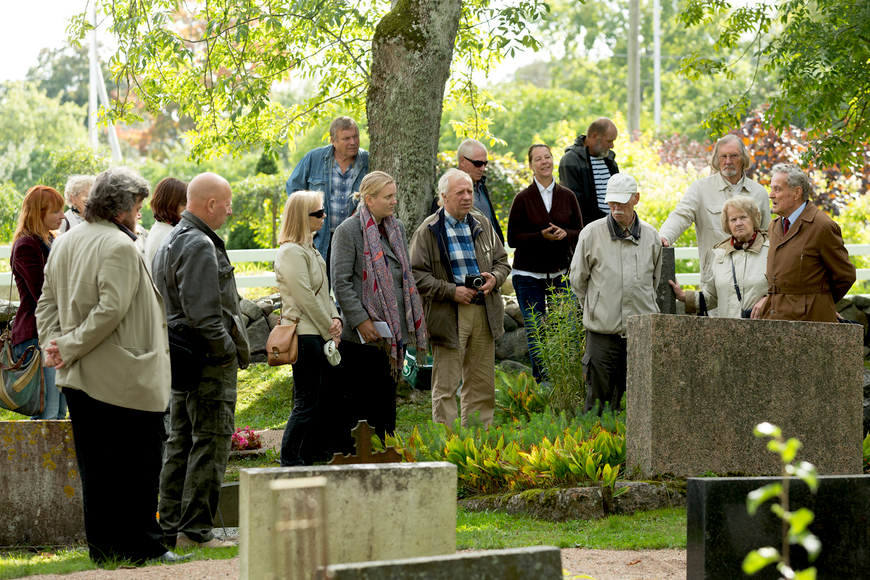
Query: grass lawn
(658, 529)
(65, 561)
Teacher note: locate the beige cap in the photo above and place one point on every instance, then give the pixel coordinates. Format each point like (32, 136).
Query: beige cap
(620, 188)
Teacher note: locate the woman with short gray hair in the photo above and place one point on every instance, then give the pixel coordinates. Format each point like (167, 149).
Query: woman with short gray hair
(738, 264)
(76, 192)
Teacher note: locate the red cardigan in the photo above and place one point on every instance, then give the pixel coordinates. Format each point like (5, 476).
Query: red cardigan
(529, 216)
(29, 254)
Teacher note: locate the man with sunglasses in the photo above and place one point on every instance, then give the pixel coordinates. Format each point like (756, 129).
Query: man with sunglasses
(586, 167)
(702, 203)
(471, 158)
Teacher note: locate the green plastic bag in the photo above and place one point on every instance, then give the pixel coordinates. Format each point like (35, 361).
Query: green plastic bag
(418, 373)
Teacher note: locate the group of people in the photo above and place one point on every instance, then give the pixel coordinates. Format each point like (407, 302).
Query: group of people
(103, 302)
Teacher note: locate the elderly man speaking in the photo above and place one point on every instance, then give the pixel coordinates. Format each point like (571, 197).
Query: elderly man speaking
(459, 264)
(614, 273)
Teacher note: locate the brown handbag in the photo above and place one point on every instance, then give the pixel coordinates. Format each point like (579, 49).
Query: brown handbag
(282, 348)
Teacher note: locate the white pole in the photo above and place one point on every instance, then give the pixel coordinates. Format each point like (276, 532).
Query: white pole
(633, 66)
(93, 136)
(657, 64)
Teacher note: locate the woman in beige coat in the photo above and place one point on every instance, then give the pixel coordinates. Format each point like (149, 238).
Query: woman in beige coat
(301, 274)
(738, 265)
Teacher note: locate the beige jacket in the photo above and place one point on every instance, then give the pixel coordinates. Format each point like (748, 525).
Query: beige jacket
(101, 306)
(301, 272)
(749, 267)
(615, 279)
(702, 205)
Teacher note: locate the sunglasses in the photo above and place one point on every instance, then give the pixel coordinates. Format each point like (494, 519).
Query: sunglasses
(475, 162)
(319, 213)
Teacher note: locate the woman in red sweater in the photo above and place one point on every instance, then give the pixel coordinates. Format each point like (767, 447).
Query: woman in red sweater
(543, 228)
(41, 215)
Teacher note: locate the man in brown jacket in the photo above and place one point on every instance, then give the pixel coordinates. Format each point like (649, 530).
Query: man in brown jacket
(808, 267)
(451, 250)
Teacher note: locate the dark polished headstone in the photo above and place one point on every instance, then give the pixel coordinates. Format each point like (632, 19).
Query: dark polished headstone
(721, 533)
(665, 297)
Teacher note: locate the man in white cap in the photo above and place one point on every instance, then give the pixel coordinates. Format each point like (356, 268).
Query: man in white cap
(614, 273)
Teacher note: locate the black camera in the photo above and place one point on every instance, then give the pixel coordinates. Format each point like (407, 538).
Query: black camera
(474, 281)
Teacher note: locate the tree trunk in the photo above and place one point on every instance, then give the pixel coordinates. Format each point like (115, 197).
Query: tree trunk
(412, 51)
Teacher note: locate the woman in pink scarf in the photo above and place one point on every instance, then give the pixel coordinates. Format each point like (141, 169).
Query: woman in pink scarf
(374, 287)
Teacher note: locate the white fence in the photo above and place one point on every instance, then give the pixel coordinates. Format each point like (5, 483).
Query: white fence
(268, 255)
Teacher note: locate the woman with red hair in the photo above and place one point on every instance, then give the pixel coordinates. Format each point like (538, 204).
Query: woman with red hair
(41, 216)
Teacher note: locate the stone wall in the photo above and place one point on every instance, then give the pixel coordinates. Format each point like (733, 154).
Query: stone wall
(857, 308)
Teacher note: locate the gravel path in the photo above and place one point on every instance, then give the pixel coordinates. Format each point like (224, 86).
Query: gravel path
(599, 564)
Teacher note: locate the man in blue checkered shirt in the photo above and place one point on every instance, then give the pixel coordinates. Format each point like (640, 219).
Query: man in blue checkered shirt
(449, 250)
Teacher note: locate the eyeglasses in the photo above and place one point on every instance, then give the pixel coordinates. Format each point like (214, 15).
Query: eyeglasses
(475, 162)
(731, 156)
(319, 213)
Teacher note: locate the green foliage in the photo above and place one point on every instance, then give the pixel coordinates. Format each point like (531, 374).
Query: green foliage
(517, 397)
(65, 73)
(257, 206)
(266, 164)
(32, 125)
(795, 532)
(644, 530)
(816, 52)
(560, 341)
(78, 159)
(545, 451)
(10, 206)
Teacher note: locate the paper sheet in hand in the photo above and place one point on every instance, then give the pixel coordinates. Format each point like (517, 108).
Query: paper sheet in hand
(383, 329)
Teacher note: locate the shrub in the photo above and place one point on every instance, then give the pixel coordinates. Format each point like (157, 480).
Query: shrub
(517, 397)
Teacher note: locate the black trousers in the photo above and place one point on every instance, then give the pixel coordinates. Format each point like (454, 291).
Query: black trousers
(604, 367)
(118, 451)
(302, 441)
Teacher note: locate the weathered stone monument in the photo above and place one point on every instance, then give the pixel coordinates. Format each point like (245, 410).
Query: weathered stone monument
(41, 503)
(697, 386)
(373, 512)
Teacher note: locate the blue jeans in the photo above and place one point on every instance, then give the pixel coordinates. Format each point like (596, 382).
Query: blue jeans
(532, 298)
(54, 408)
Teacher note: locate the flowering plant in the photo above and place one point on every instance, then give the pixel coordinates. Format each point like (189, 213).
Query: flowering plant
(245, 439)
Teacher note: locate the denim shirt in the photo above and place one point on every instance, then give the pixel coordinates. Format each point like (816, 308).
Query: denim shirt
(314, 173)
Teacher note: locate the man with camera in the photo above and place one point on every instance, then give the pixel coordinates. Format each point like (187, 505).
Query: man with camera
(459, 264)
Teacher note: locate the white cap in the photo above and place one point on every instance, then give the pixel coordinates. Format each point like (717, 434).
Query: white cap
(620, 188)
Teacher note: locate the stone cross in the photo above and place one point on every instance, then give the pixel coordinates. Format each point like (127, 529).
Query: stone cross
(362, 436)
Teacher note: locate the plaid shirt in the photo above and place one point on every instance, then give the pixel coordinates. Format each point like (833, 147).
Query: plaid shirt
(342, 185)
(460, 247)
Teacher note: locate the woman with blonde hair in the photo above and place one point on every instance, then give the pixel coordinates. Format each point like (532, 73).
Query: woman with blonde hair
(301, 274)
(379, 301)
(40, 217)
(738, 265)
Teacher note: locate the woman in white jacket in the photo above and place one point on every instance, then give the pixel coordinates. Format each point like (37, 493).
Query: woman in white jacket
(738, 265)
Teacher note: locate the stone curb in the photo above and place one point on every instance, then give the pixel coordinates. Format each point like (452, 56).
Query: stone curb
(562, 504)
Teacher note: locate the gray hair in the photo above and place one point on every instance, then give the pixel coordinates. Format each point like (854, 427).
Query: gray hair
(341, 124)
(730, 138)
(75, 185)
(115, 191)
(742, 203)
(444, 182)
(468, 147)
(796, 178)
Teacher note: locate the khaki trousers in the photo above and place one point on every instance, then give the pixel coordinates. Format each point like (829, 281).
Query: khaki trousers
(473, 363)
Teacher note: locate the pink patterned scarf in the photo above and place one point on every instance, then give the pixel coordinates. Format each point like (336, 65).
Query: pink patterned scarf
(378, 293)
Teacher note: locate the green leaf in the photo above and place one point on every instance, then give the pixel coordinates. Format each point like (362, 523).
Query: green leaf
(799, 520)
(808, 574)
(811, 544)
(757, 497)
(758, 559)
(767, 430)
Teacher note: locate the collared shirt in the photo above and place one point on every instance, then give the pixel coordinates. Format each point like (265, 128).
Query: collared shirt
(481, 203)
(460, 248)
(546, 193)
(342, 186)
(737, 187)
(792, 219)
(620, 232)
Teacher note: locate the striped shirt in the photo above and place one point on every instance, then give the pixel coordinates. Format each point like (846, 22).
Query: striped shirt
(460, 248)
(602, 176)
(342, 186)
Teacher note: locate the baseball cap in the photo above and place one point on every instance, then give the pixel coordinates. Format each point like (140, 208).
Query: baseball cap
(620, 188)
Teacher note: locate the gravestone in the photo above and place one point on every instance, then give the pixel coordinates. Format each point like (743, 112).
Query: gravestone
(362, 437)
(697, 386)
(299, 547)
(41, 503)
(665, 296)
(374, 512)
(535, 563)
(720, 532)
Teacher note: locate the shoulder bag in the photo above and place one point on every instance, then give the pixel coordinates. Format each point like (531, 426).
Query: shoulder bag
(282, 347)
(22, 388)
